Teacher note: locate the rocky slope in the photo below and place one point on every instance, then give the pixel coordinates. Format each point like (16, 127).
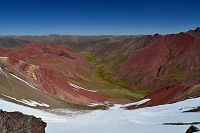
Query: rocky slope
(169, 67)
(47, 68)
(16, 122)
(16, 90)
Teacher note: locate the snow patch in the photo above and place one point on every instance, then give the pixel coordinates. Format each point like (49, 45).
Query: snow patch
(27, 102)
(137, 103)
(34, 103)
(106, 103)
(143, 120)
(80, 88)
(95, 104)
(24, 81)
(1, 71)
(47, 117)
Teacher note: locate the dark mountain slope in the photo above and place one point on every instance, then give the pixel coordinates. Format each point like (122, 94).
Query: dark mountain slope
(11, 42)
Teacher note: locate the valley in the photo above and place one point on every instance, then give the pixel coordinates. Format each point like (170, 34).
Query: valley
(126, 82)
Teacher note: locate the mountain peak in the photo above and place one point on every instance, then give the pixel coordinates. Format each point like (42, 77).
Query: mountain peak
(197, 29)
(195, 32)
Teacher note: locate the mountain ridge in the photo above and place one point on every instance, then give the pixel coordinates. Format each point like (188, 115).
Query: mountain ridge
(118, 68)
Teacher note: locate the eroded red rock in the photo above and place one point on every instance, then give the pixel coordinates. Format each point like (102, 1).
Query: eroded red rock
(48, 68)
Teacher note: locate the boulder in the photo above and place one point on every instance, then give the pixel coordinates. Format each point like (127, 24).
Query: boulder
(16, 122)
(192, 129)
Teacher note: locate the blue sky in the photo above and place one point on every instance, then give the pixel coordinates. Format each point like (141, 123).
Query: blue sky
(96, 17)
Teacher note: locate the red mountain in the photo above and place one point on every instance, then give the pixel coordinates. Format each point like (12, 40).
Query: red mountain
(48, 68)
(163, 68)
(169, 67)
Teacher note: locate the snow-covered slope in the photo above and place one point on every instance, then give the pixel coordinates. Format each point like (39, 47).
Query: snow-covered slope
(116, 119)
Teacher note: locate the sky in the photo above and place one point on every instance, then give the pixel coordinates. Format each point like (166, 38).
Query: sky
(97, 17)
